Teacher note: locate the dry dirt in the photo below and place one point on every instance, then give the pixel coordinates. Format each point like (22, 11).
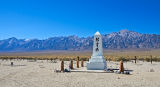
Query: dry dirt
(41, 74)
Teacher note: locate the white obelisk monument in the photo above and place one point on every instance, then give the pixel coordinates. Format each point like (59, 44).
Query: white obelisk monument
(97, 61)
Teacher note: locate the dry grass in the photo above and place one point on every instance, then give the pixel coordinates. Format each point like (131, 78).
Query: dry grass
(110, 55)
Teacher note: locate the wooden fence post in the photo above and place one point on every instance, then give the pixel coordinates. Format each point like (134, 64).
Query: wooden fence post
(82, 63)
(78, 62)
(135, 59)
(121, 66)
(71, 64)
(151, 59)
(62, 65)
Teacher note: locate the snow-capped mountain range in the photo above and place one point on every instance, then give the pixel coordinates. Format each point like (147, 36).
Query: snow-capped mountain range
(116, 40)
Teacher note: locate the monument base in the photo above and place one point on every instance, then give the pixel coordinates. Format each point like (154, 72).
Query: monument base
(96, 63)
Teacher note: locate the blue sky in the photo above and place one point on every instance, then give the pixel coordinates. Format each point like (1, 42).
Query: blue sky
(48, 18)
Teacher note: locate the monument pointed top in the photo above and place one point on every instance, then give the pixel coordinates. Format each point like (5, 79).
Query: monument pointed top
(97, 33)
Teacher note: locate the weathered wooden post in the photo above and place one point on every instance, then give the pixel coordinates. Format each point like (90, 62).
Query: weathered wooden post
(135, 59)
(62, 65)
(11, 63)
(82, 63)
(121, 66)
(109, 59)
(78, 62)
(151, 59)
(71, 64)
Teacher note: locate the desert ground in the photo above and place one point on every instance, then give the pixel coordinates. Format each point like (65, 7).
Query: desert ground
(40, 73)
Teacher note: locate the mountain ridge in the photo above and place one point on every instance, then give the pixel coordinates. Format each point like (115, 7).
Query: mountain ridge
(123, 39)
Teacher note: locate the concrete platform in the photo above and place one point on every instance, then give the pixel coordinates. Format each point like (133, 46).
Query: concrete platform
(84, 69)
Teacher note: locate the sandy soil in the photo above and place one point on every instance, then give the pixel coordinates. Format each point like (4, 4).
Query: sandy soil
(41, 74)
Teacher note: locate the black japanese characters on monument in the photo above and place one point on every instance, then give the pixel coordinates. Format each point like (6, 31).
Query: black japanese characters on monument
(97, 40)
